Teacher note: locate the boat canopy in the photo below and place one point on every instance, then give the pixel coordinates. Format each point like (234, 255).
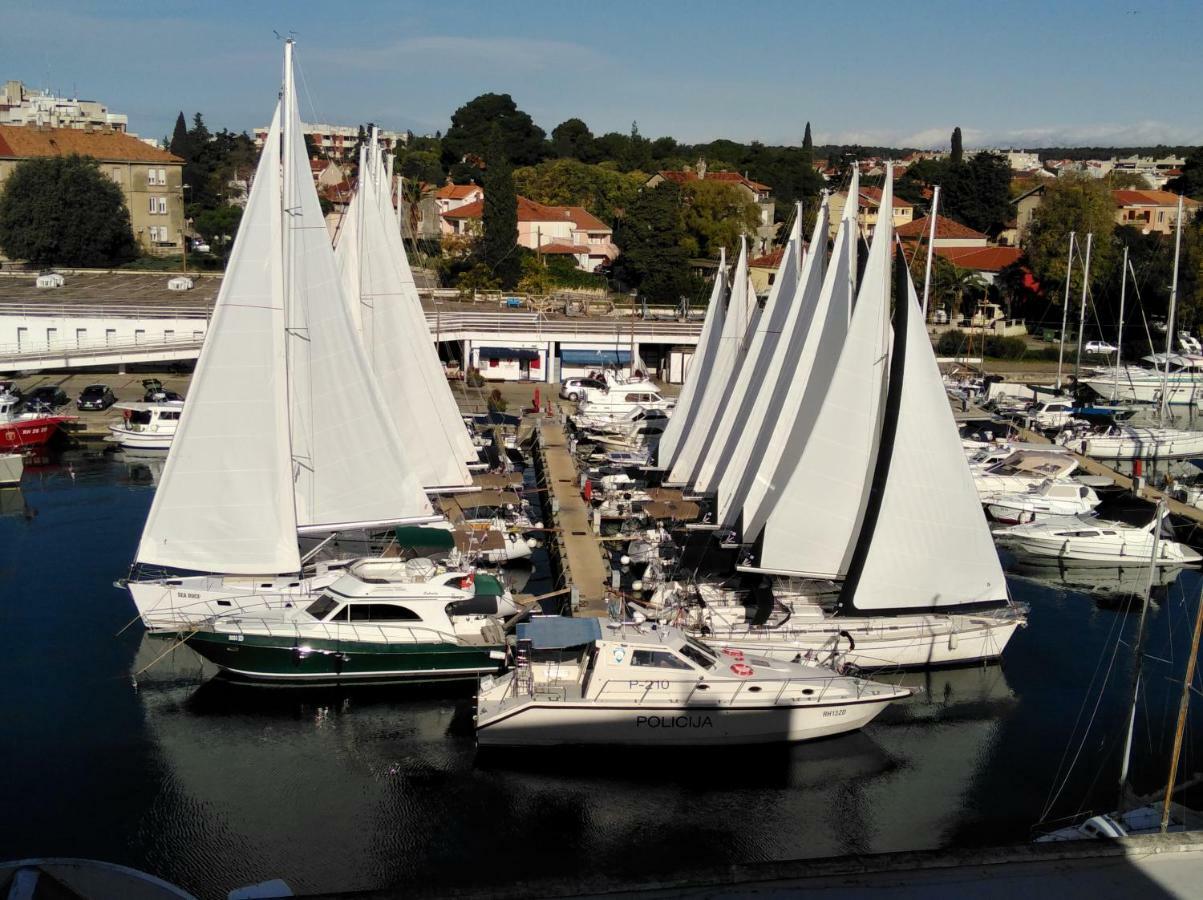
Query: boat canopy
(415, 537)
(559, 632)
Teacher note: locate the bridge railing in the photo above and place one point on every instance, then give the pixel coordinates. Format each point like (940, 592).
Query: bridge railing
(67, 348)
(105, 310)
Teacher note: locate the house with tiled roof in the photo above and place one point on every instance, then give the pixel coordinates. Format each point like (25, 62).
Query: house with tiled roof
(453, 196)
(755, 191)
(150, 179)
(949, 233)
(556, 230)
(1151, 211)
(867, 210)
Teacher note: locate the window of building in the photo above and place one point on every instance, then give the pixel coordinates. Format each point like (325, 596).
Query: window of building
(162, 206)
(494, 363)
(152, 205)
(162, 176)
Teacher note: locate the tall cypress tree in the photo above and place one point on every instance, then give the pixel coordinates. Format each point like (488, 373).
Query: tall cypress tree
(499, 219)
(807, 143)
(958, 152)
(179, 138)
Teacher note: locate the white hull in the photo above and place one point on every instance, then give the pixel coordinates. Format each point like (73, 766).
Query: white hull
(176, 602)
(1144, 444)
(549, 723)
(11, 468)
(880, 642)
(1146, 391)
(141, 440)
(1087, 554)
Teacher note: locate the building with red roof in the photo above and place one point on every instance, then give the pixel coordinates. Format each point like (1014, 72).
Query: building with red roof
(1151, 211)
(949, 233)
(867, 210)
(755, 191)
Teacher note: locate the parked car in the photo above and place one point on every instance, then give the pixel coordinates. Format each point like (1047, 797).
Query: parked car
(574, 388)
(155, 392)
(96, 396)
(46, 398)
(940, 317)
(200, 246)
(1099, 347)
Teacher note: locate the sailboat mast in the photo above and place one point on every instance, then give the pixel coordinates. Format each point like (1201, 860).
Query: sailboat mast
(931, 243)
(1169, 324)
(1183, 706)
(1138, 663)
(1082, 312)
(1069, 267)
(1119, 338)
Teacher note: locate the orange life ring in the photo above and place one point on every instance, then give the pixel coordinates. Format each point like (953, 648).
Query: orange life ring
(734, 654)
(743, 670)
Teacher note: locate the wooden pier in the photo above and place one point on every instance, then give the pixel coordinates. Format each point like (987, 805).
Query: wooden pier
(574, 547)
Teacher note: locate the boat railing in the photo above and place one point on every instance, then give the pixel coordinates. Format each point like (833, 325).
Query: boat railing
(245, 625)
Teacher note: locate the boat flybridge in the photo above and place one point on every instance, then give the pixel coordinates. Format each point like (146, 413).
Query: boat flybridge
(840, 464)
(577, 682)
(315, 449)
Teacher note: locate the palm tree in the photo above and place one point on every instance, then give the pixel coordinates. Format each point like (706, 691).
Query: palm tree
(952, 283)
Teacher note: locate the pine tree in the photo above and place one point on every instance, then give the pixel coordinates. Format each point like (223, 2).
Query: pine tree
(807, 143)
(499, 219)
(958, 152)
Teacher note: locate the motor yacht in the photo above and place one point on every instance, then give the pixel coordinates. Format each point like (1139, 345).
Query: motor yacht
(1048, 499)
(1094, 541)
(146, 426)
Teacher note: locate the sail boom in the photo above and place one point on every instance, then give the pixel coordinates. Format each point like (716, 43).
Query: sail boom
(332, 527)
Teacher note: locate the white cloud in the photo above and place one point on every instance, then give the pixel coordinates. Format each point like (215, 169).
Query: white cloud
(1134, 134)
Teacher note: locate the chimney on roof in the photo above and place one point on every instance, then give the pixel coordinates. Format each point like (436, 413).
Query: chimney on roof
(701, 167)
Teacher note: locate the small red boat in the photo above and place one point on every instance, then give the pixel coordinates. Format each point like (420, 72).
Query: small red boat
(26, 430)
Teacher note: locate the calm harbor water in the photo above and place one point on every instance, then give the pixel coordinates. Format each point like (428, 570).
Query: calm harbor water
(211, 785)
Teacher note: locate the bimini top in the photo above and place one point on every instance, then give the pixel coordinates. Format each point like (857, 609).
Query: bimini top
(559, 632)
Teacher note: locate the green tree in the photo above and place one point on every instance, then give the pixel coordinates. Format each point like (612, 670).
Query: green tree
(567, 182)
(493, 118)
(958, 151)
(1082, 205)
(715, 214)
(638, 156)
(64, 211)
(807, 144)
(651, 236)
(499, 220)
(180, 144)
(1190, 182)
(219, 226)
(420, 165)
(572, 139)
(951, 284)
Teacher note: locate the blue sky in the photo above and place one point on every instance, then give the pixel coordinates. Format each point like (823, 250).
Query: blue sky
(1009, 73)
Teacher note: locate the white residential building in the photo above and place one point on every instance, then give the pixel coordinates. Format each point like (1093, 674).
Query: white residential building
(21, 106)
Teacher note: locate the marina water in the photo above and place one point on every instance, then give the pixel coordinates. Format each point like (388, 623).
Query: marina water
(211, 785)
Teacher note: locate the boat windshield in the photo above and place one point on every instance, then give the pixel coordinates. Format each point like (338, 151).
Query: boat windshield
(321, 607)
(695, 651)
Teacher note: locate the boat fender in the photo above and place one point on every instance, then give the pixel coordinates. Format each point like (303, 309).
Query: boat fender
(953, 640)
(733, 653)
(743, 670)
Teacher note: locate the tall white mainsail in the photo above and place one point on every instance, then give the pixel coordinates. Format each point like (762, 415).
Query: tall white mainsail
(813, 525)
(700, 368)
(379, 303)
(755, 364)
(926, 544)
(742, 314)
(822, 332)
(779, 395)
(225, 500)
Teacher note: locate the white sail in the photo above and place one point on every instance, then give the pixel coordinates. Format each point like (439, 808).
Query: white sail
(225, 501)
(813, 525)
(931, 546)
(750, 380)
(785, 374)
(431, 368)
(394, 349)
(700, 367)
(741, 317)
(349, 464)
(822, 335)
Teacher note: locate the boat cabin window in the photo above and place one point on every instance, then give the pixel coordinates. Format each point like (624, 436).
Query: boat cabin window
(139, 417)
(382, 612)
(321, 607)
(169, 415)
(699, 653)
(1083, 492)
(657, 659)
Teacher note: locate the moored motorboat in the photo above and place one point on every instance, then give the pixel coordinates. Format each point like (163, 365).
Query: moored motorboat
(25, 431)
(1047, 500)
(1094, 541)
(146, 426)
(1134, 442)
(575, 682)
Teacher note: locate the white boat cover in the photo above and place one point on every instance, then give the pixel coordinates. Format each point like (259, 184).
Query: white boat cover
(742, 314)
(784, 380)
(224, 502)
(350, 466)
(751, 378)
(931, 546)
(813, 526)
(821, 332)
(380, 306)
(700, 367)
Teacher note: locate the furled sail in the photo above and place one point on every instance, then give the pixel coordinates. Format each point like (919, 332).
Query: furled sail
(378, 302)
(700, 367)
(750, 381)
(925, 543)
(225, 501)
(822, 333)
(787, 373)
(813, 525)
(742, 314)
(350, 467)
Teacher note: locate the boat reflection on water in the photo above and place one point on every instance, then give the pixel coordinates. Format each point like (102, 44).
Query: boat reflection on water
(1109, 586)
(12, 503)
(143, 467)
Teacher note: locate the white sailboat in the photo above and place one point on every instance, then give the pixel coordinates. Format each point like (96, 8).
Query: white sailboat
(285, 431)
(384, 304)
(739, 323)
(879, 493)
